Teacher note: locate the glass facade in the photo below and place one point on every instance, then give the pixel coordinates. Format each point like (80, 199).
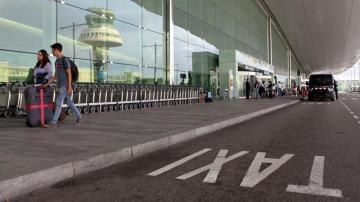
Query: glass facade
(127, 41)
(208, 26)
(118, 41)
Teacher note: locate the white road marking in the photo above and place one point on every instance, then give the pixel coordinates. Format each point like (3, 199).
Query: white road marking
(216, 167)
(359, 122)
(355, 98)
(209, 166)
(253, 176)
(319, 103)
(316, 181)
(179, 162)
(351, 112)
(343, 98)
(356, 117)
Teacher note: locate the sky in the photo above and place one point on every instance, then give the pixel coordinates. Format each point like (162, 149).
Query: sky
(349, 74)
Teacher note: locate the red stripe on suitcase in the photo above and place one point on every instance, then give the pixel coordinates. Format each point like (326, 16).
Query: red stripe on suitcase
(41, 106)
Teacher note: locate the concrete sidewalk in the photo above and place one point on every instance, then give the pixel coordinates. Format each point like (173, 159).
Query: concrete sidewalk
(26, 150)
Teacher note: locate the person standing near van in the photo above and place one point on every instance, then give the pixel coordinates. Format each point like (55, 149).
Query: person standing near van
(63, 76)
(336, 90)
(43, 69)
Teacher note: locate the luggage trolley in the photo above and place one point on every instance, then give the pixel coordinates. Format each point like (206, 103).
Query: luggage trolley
(20, 107)
(120, 97)
(8, 99)
(94, 98)
(108, 101)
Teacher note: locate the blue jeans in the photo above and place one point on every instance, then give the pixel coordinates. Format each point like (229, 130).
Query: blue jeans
(63, 96)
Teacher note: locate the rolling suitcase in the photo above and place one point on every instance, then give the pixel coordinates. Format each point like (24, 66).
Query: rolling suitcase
(39, 106)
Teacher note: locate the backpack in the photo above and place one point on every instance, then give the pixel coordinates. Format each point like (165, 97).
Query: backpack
(74, 70)
(30, 78)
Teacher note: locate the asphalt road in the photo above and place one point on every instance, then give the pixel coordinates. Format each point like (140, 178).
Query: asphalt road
(317, 140)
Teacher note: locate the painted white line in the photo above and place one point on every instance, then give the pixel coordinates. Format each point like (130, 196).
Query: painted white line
(253, 176)
(316, 182)
(216, 167)
(209, 166)
(359, 122)
(356, 117)
(179, 162)
(344, 98)
(355, 98)
(319, 103)
(351, 112)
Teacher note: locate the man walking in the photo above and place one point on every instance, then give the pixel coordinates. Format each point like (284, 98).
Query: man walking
(64, 79)
(247, 89)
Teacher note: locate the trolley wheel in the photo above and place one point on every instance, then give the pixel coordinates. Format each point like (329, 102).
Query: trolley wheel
(18, 114)
(111, 108)
(98, 109)
(105, 109)
(69, 112)
(92, 110)
(7, 114)
(85, 110)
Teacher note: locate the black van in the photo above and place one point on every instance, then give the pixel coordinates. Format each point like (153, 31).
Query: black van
(321, 86)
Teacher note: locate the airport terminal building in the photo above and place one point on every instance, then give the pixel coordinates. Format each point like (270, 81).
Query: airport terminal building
(216, 44)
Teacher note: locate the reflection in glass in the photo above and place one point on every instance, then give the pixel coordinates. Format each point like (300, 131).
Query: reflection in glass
(102, 35)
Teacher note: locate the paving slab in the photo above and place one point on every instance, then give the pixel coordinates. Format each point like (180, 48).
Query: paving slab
(26, 150)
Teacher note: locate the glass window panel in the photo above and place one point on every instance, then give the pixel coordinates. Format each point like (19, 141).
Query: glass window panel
(161, 76)
(180, 21)
(195, 58)
(85, 4)
(195, 30)
(130, 52)
(86, 70)
(195, 8)
(148, 75)
(209, 12)
(180, 4)
(153, 49)
(230, 25)
(230, 7)
(15, 66)
(126, 74)
(127, 10)
(72, 27)
(220, 40)
(209, 35)
(180, 52)
(221, 4)
(220, 19)
(153, 15)
(27, 25)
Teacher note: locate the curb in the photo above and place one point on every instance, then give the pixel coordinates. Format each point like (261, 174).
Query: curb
(34, 181)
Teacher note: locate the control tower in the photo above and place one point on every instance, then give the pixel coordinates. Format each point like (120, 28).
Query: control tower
(102, 35)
